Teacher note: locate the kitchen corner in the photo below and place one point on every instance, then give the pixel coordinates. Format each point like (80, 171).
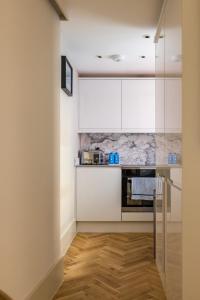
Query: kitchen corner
(122, 191)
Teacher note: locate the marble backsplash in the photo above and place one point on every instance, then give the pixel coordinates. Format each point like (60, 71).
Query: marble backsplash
(135, 148)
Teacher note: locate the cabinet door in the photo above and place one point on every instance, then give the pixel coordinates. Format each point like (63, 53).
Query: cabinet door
(173, 66)
(98, 194)
(173, 107)
(173, 270)
(160, 225)
(160, 106)
(176, 201)
(100, 104)
(160, 80)
(138, 105)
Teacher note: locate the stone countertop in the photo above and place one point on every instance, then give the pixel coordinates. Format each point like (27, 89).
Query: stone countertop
(133, 166)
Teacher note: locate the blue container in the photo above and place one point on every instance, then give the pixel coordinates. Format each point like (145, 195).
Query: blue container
(116, 158)
(111, 158)
(170, 158)
(174, 158)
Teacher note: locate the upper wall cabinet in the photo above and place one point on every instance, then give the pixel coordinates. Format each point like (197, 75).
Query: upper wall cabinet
(138, 105)
(173, 66)
(100, 105)
(160, 80)
(169, 68)
(117, 105)
(160, 105)
(173, 105)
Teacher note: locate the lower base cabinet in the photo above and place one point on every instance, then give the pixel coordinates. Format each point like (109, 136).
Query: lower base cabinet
(169, 235)
(137, 216)
(98, 192)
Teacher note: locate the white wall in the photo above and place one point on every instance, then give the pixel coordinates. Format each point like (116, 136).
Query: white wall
(69, 150)
(191, 149)
(29, 139)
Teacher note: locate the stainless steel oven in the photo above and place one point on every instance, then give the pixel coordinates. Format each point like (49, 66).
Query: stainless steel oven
(138, 189)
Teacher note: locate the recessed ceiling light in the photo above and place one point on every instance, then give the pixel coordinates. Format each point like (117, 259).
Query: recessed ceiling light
(146, 36)
(117, 57)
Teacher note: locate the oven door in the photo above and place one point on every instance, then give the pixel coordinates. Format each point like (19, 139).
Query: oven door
(140, 193)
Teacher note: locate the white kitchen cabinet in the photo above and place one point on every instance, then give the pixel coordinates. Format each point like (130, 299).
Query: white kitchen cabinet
(160, 80)
(176, 201)
(99, 105)
(119, 105)
(173, 66)
(173, 247)
(173, 105)
(169, 211)
(138, 105)
(169, 233)
(98, 194)
(160, 226)
(169, 68)
(168, 108)
(176, 176)
(160, 106)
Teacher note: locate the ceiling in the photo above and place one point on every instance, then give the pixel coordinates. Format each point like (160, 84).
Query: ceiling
(107, 27)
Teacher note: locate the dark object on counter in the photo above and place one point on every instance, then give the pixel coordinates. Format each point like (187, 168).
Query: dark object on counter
(95, 157)
(85, 158)
(98, 157)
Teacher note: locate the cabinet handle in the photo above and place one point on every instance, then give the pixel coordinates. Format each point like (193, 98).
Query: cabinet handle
(171, 183)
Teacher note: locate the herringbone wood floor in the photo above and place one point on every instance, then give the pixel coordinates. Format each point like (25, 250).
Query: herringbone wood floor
(117, 266)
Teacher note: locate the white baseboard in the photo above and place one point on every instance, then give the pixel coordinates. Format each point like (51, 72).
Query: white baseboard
(115, 227)
(67, 237)
(48, 286)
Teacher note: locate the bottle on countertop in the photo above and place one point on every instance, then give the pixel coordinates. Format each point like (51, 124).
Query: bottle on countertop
(174, 158)
(170, 158)
(116, 158)
(111, 158)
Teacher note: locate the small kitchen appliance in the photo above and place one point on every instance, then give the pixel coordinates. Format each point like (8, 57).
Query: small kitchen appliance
(95, 157)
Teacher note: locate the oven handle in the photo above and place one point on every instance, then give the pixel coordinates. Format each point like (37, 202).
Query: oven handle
(129, 187)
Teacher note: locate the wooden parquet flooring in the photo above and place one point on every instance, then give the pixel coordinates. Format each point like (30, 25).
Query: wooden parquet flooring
(111, 266)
